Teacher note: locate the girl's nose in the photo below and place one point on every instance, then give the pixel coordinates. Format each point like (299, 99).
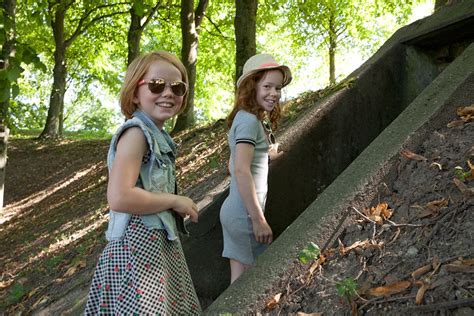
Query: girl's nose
(167, 91)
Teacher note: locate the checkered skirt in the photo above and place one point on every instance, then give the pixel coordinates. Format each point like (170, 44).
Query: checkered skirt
(142, 274)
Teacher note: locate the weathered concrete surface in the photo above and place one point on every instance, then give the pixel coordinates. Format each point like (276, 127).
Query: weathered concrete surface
(380, 80)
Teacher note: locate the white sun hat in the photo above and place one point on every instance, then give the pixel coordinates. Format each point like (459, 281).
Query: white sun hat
(262, 62)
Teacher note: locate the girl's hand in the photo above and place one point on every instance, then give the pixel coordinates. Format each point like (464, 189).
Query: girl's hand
(262, 231)
(273, 151)
(184, 206)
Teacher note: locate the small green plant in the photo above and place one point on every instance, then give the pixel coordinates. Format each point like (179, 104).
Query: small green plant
(52, 262)
(461, 174)
(347, 288)
(311, 252)
(16, 293)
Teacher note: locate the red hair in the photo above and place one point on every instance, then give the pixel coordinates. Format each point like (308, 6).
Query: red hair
(246, 99)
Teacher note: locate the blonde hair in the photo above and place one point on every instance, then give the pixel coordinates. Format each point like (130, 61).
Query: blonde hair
(135, 72)
(246, 99)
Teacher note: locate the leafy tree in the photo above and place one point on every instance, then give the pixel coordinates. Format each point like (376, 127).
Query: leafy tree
(13, 54)
(216, 66)
(335, 24)
(190, 26)
(68, 21)
(8, 37)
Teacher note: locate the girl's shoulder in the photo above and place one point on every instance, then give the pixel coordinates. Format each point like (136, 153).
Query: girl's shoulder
(244, 116)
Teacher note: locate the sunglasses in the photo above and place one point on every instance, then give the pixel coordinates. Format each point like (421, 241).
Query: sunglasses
(157, 86)
(268, 131)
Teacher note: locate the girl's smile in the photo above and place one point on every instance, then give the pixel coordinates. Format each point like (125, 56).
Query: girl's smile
(268, 90)
(164, 105)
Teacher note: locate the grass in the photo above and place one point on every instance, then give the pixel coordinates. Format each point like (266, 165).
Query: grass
(72, 135)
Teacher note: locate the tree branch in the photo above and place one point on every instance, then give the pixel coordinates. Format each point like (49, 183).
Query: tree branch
(80, 29)
(199, 14)
(152, 13)
(217, 28)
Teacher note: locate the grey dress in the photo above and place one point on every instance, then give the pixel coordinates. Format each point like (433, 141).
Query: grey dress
(239, 240)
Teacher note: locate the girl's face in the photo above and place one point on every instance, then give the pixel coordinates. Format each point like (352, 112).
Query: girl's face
(268, 90)
(164, 105)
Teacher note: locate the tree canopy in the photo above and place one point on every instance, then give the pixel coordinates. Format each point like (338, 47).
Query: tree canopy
(69, 75)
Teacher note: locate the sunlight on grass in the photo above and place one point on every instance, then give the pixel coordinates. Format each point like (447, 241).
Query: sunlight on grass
(17, 208)
(61, 243)
(66, 240)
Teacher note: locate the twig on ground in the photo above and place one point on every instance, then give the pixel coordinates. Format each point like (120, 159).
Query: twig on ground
(374, 223)
(403, 224)
(467, 302)
(378, 300)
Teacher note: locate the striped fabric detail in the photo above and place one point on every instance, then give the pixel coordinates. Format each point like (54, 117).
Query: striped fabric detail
(245, 140)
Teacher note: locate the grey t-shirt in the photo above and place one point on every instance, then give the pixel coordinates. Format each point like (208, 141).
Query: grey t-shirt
(239, 240)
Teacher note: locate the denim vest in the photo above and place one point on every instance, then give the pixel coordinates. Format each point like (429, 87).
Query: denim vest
(157, 174)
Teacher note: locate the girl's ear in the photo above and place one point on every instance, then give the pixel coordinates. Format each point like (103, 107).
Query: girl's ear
(135, 98)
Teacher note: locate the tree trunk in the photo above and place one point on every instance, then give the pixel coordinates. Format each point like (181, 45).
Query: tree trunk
(332, 50)
(56, 101)
(134, 35)
(190, 23)
(8, 49)
(245, 33)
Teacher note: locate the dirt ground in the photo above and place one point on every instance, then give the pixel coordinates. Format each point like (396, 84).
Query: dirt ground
(410, 253)
(55, 214)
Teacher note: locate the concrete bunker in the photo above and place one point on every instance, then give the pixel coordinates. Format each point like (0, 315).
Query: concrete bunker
(326, 140)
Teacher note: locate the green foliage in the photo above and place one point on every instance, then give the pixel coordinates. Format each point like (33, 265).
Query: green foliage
(99, 120)
(461, 174)
(347, 288)
(16, 293)
(96, 59)
(53, 261)
(311, 252)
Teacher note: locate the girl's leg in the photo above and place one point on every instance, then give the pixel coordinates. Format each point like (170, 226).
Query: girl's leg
(236, 269)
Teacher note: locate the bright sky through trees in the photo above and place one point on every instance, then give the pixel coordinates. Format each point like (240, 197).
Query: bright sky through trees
(313, 75)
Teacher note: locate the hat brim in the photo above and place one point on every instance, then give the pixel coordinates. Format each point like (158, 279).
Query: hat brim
(286, 74)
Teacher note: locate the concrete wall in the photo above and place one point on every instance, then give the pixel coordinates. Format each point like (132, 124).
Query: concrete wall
(322, 144)
(390, 79)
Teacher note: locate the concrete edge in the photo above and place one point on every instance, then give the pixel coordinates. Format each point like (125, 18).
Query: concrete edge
(355, 186)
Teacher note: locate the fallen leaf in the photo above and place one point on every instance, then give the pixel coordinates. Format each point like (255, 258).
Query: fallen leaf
(70, 272)
(317, 263)
(463, 187)
(378, 213)
(79, 265)
(344, 250)
(471, 167)
(5, 284)
(411, 155)
(471, 151)
(469, 262)
(431, 208)
(420, 271)
(310, 314)
(465, 110)
(34, 291)
(459, 268)
(455, 123)
(465, 266)
(271, 304)
(390, 289)
(437, 204)
(420, 294)
(437, 164)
